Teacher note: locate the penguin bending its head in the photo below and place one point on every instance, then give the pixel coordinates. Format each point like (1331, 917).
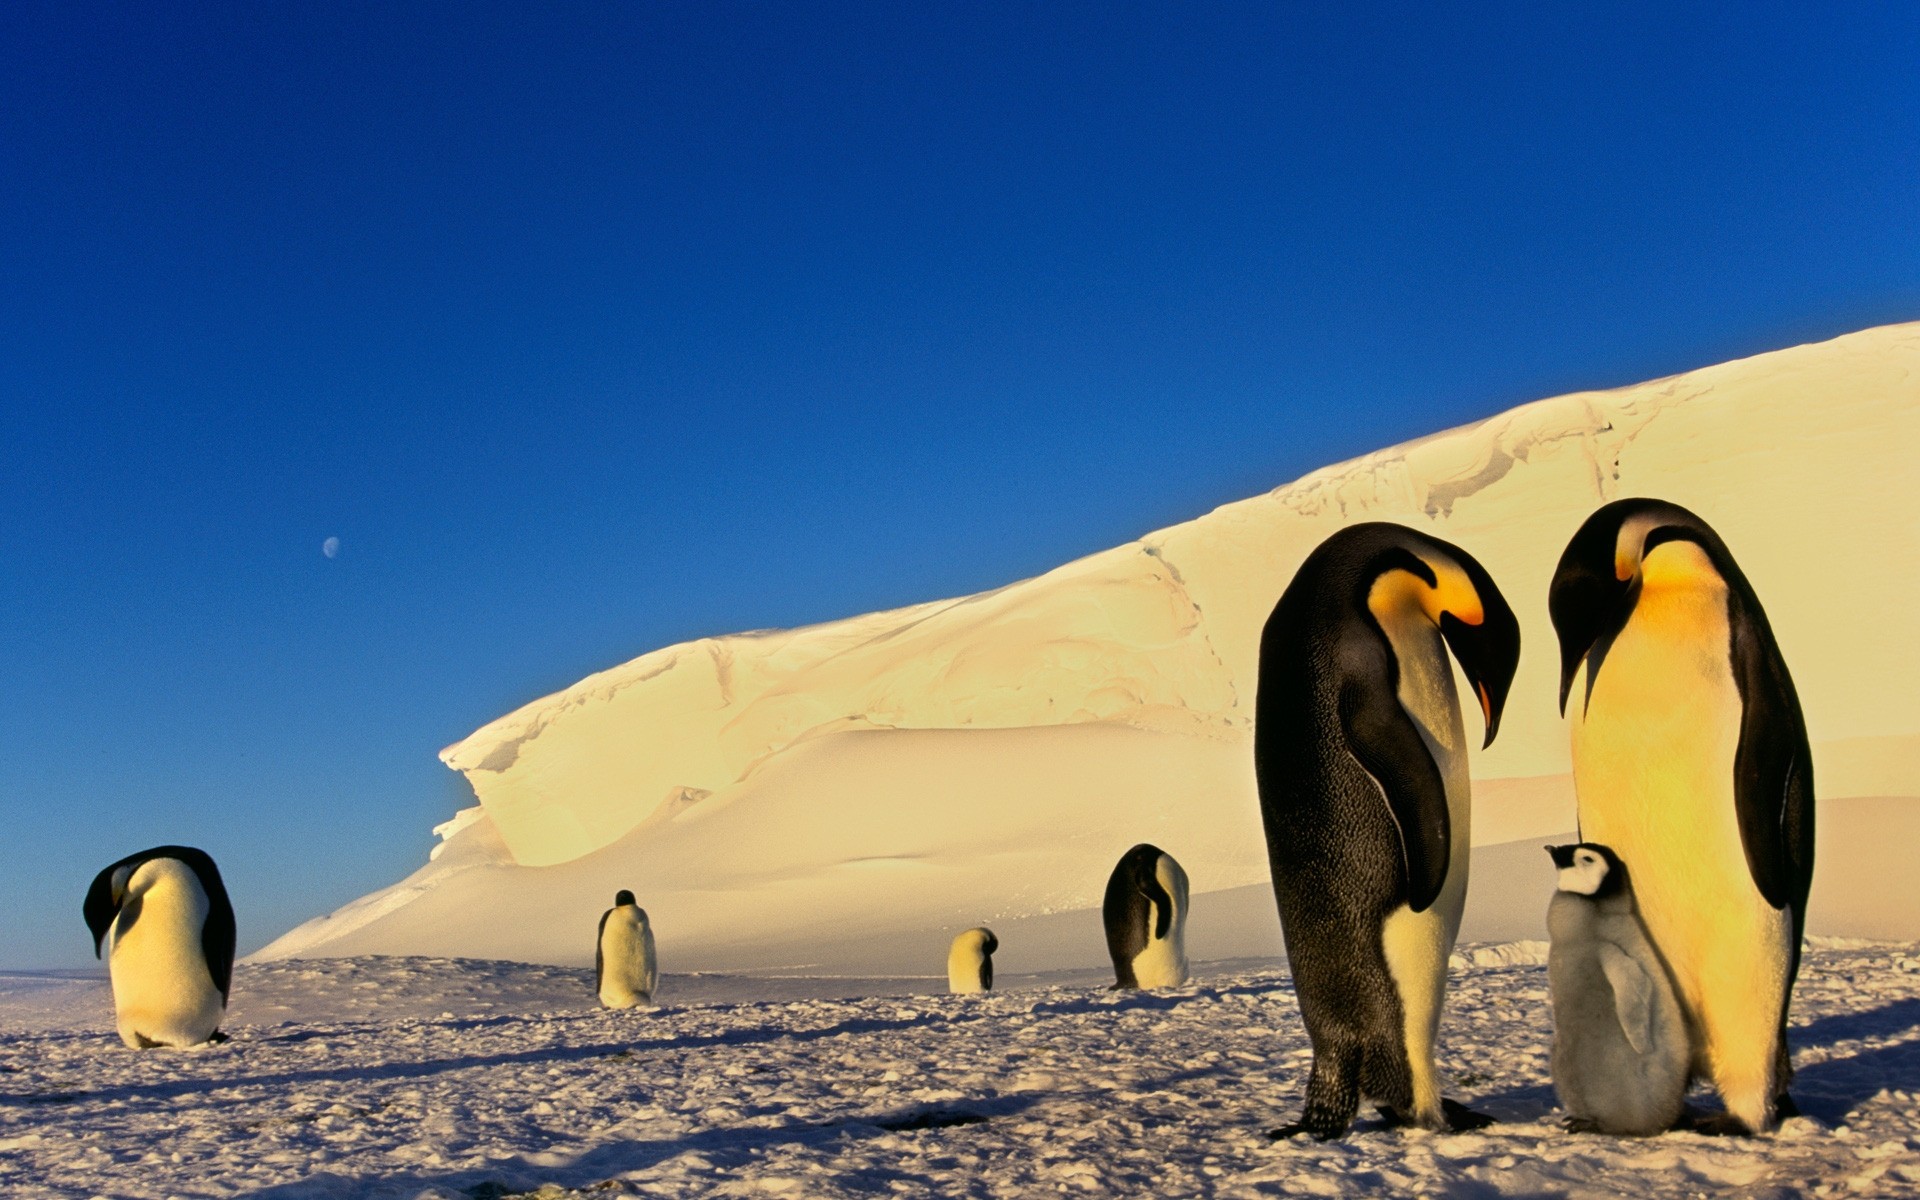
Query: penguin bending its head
(625, 971)
(1690, 760)
(1620, 1048)
(970, 961)
(164, 921)
(1146, 916)
(1361, 755)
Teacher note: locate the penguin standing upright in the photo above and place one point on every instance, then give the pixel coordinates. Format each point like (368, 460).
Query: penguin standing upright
(167, 928)
(970, 961)
(624, 969)
(1690, 760)
(1145, 910)
(1361, 756)
(1620, 1049)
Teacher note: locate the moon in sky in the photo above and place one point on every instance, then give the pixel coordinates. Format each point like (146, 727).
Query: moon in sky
(331, 547)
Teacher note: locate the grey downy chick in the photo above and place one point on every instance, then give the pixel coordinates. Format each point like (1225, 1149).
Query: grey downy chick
(1620, 1047)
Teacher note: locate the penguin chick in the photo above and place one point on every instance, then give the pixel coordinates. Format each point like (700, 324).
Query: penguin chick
(1620, 1046)
(970, 961)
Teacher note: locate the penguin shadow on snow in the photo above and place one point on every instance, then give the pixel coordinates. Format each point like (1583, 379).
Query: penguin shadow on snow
(726, 1150)
(1829, 1091)
(165, 1091)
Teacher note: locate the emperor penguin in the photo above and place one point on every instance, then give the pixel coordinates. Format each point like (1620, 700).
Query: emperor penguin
(166, 926)
(1146, 916)
(1690, 760)
(970, 961)
(1620, 1048)
(1361, 757)
(625, 971)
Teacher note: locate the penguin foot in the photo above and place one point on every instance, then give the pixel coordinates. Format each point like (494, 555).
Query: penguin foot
(1319, 1133)
(1461, 1119)
(1580, 1125)
(216, 1037)
(1720, 1124)
(1784, 1107)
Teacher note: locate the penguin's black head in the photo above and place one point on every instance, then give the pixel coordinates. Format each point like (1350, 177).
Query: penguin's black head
(990, 943)
(1478, 624)
(1589, 869)
(622, 898)
(1597, 581)
(1489, 649)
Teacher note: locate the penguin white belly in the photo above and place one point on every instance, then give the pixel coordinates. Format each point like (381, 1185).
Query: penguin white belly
(1653, 755)
(1418, 945)
(162, 991)
(628, 970)
(964, 961)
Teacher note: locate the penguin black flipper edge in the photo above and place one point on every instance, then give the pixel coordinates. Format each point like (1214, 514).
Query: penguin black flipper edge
(1772, 773)
(1383, 739)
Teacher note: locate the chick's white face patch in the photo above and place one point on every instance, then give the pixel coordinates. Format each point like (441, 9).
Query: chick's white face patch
(1586, 874)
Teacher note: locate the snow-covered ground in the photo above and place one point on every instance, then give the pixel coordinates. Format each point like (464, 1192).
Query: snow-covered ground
(399, 1077)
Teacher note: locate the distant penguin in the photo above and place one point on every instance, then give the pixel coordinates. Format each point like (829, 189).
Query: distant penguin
(1361, 756)
(970, 961)
(1620, 1049)
(1690, 760)
(166, 925)
(625, 971)
(1146, 916)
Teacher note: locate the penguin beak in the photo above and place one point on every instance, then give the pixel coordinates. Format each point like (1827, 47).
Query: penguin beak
(1488, 653)
(1586, 599)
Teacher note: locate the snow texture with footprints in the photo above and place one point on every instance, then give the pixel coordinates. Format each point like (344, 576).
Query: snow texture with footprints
(397, 1077)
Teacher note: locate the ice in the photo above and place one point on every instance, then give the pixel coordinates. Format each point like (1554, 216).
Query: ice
(401, 1078)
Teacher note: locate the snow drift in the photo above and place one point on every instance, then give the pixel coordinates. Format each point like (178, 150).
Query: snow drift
(843, 797)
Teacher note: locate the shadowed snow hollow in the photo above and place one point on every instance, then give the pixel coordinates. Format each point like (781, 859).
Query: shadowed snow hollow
(843, 797)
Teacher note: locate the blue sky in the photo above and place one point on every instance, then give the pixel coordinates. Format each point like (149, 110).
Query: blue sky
(591, 328)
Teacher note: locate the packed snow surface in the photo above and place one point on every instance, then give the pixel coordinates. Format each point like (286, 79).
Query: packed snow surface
(444, 1079)
(849, 794)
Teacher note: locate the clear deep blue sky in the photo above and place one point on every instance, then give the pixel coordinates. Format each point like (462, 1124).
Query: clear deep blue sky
(591, 328)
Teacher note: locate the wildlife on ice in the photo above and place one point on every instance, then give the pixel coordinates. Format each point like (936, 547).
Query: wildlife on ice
(165, 925)
(1361, 755)
(970, 961)
(625, 972)
(1690, 762)
(1145, 911)
(1620, 1049)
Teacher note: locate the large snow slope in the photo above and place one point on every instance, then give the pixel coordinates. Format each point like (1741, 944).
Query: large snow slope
(844, 797)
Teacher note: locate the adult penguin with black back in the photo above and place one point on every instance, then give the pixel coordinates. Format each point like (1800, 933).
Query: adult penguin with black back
(970, 961)
(1145, 911)
(166, 926)
(1690, 760)
(1361, 755)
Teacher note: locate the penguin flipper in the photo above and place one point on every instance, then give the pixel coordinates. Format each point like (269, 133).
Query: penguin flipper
(1162, 906)
(1632, 996)
(1773, 795)
(599, 954)
(1385, 742)
(217, 938)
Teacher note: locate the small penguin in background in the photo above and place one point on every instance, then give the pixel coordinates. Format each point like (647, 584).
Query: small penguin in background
(166, 925)
(1620, 1048)
(970, 961)
(1146, 917)
(1690, 760)
(625, 971)
(1361, 756)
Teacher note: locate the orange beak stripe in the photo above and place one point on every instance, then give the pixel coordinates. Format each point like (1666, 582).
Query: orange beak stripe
(1486, 705)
